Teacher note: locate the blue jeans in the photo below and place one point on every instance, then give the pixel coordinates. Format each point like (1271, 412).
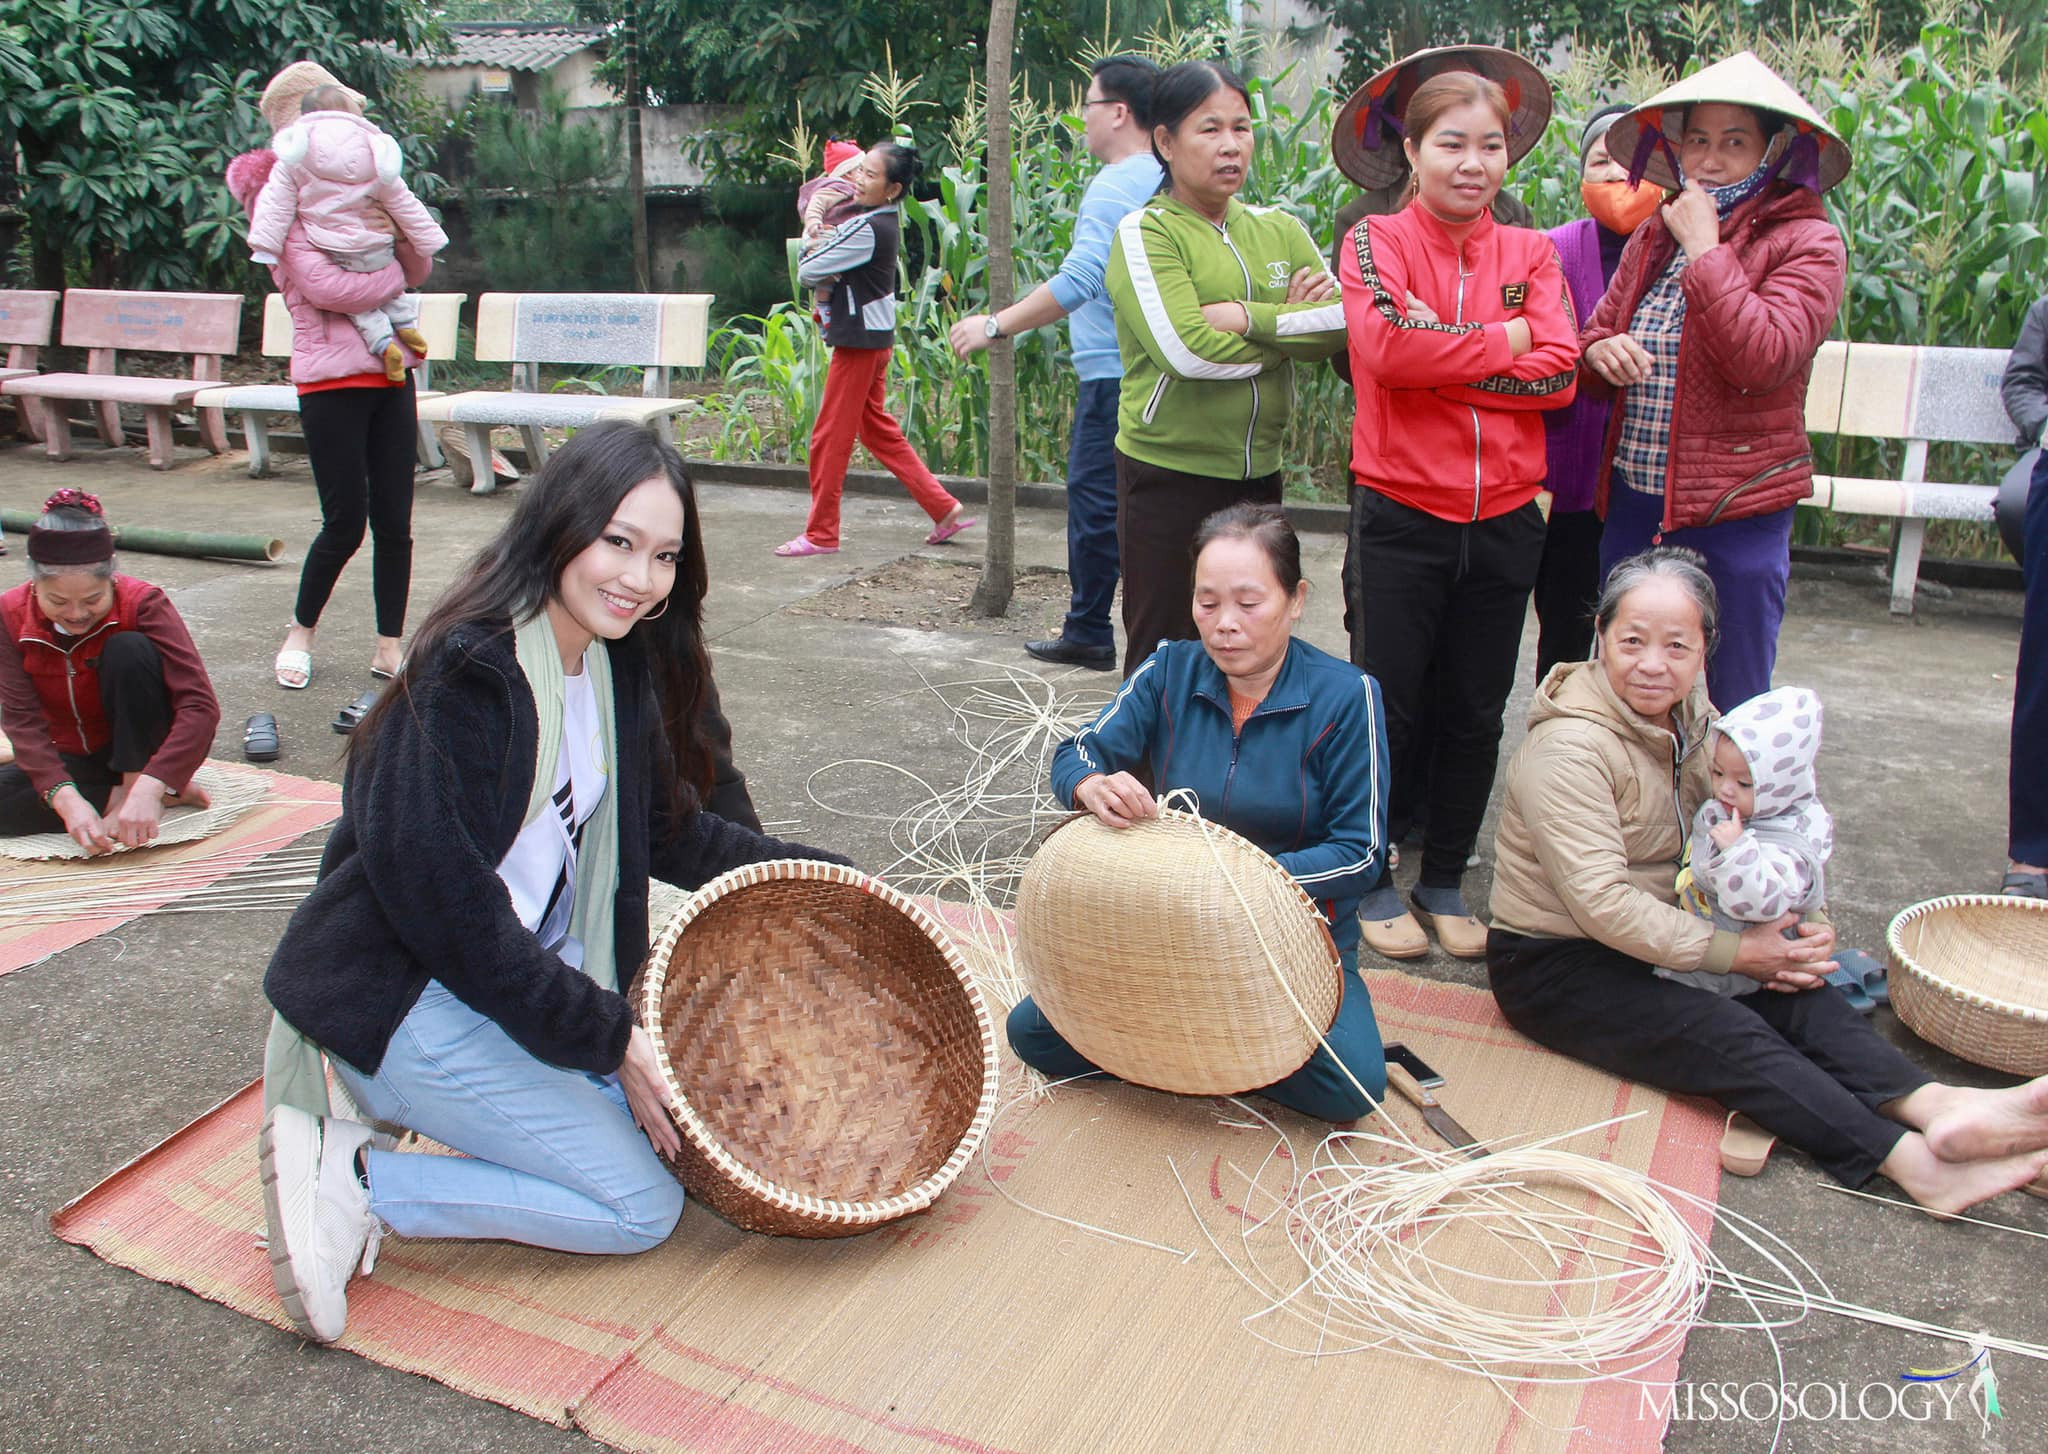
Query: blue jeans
(1320, 1089)
(551, 1156)
(2027, 839)
(1750, 561)
(1091, 515)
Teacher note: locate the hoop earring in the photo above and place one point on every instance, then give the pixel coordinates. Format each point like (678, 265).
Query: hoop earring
(657, 615)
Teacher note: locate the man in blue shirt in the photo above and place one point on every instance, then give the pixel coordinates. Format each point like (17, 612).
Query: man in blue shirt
(1117, 127)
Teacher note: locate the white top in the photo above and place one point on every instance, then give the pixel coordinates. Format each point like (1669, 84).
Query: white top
(540, 867)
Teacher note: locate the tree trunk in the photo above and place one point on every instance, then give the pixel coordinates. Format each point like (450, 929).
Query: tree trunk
(636, 168)
(999, 566)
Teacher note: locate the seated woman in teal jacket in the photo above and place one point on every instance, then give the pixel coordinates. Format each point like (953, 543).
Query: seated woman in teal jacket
(1281, 743)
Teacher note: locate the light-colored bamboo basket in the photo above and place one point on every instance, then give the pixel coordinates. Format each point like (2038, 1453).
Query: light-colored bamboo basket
(1137, 949)
(829, 1061)
(233, 793)
(1970, 974)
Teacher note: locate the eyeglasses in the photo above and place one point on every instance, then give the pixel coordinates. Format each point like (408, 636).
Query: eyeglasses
(1104, 101)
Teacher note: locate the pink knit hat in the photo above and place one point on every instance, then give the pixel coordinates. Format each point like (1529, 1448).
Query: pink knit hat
(839, 153)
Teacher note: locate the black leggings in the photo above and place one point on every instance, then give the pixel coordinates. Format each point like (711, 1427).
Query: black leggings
(361, 443)
(1157, 513)
(1567, 587)
(1805, 1066)
(138, 712)
(1436, 618)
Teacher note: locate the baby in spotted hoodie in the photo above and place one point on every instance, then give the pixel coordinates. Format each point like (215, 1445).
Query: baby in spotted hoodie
(1760, 845)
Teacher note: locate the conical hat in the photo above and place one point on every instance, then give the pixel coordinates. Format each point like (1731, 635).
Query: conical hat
(1818, 158)
(290, 86)
(1366, 139)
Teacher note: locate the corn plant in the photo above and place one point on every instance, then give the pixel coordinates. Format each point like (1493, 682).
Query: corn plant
(1944, 214)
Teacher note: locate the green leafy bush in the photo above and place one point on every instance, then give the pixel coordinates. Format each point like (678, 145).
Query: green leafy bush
(546, 209)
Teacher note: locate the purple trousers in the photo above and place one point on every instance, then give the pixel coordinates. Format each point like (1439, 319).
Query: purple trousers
(1750, 560)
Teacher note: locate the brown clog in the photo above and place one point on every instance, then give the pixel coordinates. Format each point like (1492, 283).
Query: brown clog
(1745, 1146)
(1461, 935)
(1397, 938)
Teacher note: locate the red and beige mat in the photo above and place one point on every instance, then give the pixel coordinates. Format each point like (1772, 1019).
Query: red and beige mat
(149, 878)
(980, 1326)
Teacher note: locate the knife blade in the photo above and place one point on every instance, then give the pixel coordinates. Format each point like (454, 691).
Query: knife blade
(1439, 1119)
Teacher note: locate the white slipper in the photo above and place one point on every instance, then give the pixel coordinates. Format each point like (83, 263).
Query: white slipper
(300, 662)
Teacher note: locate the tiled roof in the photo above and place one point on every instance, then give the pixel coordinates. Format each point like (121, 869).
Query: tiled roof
(514, 47)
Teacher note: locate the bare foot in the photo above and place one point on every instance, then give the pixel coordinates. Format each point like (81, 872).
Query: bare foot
(190, 796)
(387, 658)
(1947, 1187)
(1973, 1125)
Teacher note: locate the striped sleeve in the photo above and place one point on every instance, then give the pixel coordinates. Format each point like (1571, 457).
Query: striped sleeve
(1304, 330)
(1155, 297)
(841, 250)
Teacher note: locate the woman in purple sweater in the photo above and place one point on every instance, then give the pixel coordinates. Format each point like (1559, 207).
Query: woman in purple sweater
(1568, 581)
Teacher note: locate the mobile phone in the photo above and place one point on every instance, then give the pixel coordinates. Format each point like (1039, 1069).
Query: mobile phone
(1415, 1065)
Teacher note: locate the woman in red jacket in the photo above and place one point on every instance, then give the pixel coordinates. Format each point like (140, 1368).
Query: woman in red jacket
(1461, 332)
(1707, 335)
(102, 692)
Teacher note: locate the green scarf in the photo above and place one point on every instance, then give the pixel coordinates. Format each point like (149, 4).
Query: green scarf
(293, 1071)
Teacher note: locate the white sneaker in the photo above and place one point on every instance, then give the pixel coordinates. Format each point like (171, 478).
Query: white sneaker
(321, 1226)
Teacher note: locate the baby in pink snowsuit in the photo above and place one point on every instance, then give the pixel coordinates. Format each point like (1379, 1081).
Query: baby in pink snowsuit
(339, 176)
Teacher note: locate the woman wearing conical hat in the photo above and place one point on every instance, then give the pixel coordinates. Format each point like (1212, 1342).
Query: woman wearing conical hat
(1706, 337)
(1461, 336)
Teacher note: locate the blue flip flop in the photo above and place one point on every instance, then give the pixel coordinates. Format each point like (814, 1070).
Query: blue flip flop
(1862, 979)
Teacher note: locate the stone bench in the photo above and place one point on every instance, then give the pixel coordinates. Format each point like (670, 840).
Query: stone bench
(26, 319)
(106, 324)
(440, 317)
(650, 331)
(1915, 395)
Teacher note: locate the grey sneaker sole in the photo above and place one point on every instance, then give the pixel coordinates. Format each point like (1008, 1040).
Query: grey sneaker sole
(280, 1254)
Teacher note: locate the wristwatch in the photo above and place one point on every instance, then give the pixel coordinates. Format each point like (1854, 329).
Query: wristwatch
(993, 329)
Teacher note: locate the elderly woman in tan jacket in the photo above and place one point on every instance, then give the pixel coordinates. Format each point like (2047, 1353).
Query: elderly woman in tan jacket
(1599, 800)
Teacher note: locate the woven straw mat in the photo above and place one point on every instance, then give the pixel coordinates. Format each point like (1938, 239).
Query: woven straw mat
(830, 1063)
(1970, 974)
(233, 794)
(1137, 947)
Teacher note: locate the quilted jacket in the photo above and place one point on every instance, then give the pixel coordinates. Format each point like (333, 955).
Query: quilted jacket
(1756, 310)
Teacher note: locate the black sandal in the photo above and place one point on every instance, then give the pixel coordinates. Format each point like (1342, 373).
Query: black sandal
(259, 738)
(351, 716)
(2025, 885)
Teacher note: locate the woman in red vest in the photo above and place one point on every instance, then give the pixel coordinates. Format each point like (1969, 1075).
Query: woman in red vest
(102, 692)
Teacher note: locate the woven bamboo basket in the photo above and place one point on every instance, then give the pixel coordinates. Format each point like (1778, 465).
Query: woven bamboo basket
(1970, 974)
(829, 1062)
(1135, 945)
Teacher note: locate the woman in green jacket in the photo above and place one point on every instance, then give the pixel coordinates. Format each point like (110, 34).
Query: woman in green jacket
(1214, 303)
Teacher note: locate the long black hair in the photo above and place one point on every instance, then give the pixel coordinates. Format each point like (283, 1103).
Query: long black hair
(559, 514)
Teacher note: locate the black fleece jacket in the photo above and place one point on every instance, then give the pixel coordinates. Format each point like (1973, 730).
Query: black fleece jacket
(409, 889)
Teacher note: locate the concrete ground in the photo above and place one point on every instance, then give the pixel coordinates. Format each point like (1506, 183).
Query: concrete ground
(113, 1045)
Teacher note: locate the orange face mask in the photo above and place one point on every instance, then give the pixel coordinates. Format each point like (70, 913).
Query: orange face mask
(1617, 206)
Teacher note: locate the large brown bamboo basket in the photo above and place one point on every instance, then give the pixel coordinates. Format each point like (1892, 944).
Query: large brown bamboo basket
(830, 1063)
(1970, 974)
(1135, 944)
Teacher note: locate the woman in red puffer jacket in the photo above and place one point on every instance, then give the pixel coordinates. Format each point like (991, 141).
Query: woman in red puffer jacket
(1706, 337)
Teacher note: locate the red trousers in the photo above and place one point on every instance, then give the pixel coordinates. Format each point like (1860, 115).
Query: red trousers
(853, 409)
